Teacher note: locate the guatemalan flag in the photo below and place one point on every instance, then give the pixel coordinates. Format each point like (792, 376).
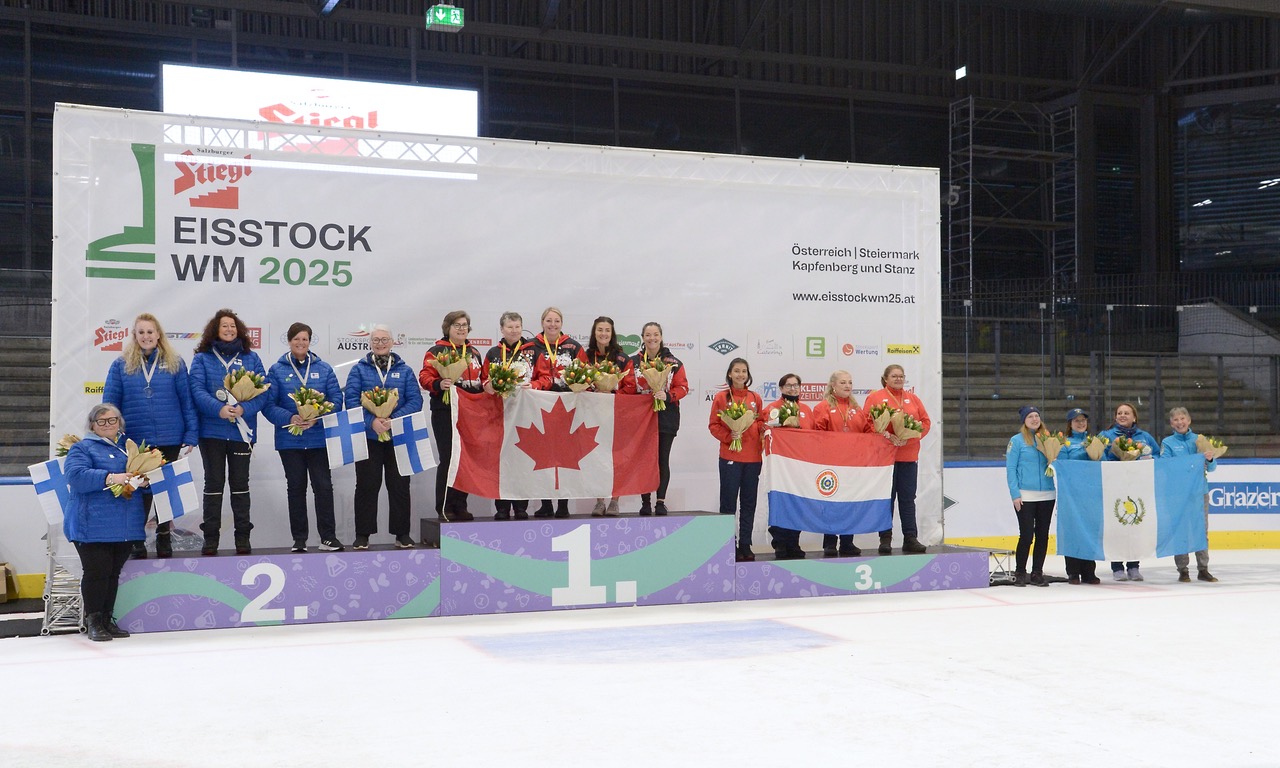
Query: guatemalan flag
(412, 441)
(829, 482)
(173, 490)
(1131, 510)
(553, 445)
(52, 490)
(344, 437)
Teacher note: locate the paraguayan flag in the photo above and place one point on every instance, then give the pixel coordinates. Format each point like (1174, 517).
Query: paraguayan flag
(344, 437)
(1131, 510)
(828, 482)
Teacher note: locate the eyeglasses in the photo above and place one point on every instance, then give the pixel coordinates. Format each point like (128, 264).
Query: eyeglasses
(110, 421)
(380, 340)
(461, 326)
(791, 384)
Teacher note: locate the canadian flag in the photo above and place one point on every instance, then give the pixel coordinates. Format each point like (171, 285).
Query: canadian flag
(553, 445)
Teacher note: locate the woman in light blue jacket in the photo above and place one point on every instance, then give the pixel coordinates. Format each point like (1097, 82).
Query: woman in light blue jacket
(1126, 425)
(1079, 571)
(1033, 495)
(1183, 443)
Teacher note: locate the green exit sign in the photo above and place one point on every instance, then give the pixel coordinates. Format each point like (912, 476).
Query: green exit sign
(444, 18)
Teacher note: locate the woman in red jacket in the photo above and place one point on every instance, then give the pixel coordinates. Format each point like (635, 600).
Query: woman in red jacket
(906, 468)
(603, 347)
(786, 541)
(451, 504)
(676, 388)
(553, 351)
(740, 469)
(838, 412)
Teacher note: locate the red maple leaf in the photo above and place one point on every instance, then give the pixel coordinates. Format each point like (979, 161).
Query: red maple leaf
(558, 446)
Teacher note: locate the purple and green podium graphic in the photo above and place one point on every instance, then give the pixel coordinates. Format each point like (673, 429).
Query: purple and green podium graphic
(826, 577)
(551, 564)
(286, 588)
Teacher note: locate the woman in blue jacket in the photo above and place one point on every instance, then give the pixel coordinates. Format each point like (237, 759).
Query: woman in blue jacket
(100, 524)
(304, 454)
(148, 383)
(1033, 495)
(225, 346)
(1183, 443)
(1126, 425)
(1078, 571)
(382, 368)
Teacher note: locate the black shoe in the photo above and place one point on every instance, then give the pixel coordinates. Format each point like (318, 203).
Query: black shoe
(660, 509)
(242, 544)
(210, 546)
(850, 551)
(646, 510)
(1073, 579)
(1204, 575)
(95, 629)
(829, 552)
(361, 542)
(330, 545)
(521, 514)
(1183, 576)
(745, 555)
(544, 510)
(1020, 579)
(114, 629)
(1090, 580)
(886, 544)
(404, 542)
(138, 550)
(562, 508)
(164, 546)
(299, 545)
(502, 514)
(911, 545)
(1037, 580)
(792, 553)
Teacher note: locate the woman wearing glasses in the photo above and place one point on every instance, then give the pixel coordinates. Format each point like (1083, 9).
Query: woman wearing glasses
(382, 368)
(786, 541)
(100, 524)
(451, 504)
(228, 429)
(149, 384)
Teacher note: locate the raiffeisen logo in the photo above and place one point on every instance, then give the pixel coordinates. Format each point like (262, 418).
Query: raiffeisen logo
(219, 179)
(116, 256)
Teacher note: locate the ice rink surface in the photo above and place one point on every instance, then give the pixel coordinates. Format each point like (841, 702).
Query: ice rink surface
(1123, 674)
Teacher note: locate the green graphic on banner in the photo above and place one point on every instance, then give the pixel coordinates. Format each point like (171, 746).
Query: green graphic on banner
(144, 589)
(99, 250)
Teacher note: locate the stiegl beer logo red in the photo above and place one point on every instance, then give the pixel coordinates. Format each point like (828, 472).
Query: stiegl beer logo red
(228, 175)
(110, 336)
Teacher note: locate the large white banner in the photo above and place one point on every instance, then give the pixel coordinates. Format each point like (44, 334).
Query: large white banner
(796, 266)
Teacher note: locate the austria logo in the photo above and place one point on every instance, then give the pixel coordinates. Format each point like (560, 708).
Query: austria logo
(216, 182)
(827, 483)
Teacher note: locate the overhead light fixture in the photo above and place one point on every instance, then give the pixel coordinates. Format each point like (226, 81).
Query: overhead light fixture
(961, 72)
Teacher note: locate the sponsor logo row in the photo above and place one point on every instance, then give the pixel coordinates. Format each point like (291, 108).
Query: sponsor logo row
(817, 347)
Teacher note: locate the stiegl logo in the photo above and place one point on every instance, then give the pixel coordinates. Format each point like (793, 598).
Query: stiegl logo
(227, 196)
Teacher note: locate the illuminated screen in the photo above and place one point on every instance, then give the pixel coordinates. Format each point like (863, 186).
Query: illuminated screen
(318, 101)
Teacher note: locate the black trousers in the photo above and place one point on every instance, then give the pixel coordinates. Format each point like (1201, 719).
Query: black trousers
(102, 563)
(370, 474)
(1086, 569)
(299, 463)
(447, 499)
(1033, 523)
(225, 461)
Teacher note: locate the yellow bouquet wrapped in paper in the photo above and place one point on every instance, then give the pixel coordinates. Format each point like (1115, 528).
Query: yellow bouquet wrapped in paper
(65, 444)
(140, 459)
(657, 372)
(1204, 444)
(311, 406)
(607, 376)
(737, 417)
(381, 402)
(1125, 449)
(881, 414)
(578, 376)
(504, 378)
(1095, 446)
(244, 385)
(450, 363)
(787, 414)
(1051, 445)
(905, 425)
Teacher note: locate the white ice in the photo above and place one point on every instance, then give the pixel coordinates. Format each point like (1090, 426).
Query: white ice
(1150, 674)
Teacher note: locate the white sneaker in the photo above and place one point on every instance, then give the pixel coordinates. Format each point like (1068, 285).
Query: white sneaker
(612, 509)
(1135, 574)
(1119, 575)
(598, 509)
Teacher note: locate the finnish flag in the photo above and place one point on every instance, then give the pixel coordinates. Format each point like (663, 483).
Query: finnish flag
(52, 490)
(344, 437)
(412, 442)
(173, 491)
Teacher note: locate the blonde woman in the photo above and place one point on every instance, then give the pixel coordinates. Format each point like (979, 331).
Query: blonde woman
(1033, 495)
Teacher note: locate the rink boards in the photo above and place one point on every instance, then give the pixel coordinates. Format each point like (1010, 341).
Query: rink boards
(485, 567)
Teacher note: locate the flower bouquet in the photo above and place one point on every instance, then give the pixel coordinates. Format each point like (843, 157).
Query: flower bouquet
(737, 417)
(450, 363)
(504, 378)
(381, 402)
(607, 376)
(1095, 446)
(881, 414)
(1051, 445)
(243, 384)
(1125, 449)
(578, 376)
(786, 415)
(311, 406)
(65, 444)
(141, 460)
(1204, 444)
(905, 426)
(657, 372)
